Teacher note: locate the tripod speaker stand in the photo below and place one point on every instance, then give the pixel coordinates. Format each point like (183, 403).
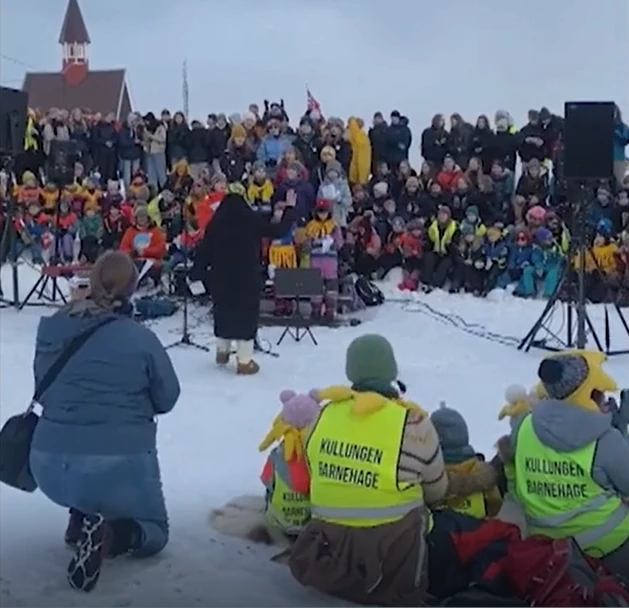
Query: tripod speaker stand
(573, 312)
(8, 241)
(7, 253)
(574, 299)
(588, 138)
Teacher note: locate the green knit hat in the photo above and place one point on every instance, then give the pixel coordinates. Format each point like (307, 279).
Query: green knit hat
(370, 357)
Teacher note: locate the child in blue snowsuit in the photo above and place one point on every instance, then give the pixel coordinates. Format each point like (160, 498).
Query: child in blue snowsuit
(545, 268)
(496, 250)
(519, 258)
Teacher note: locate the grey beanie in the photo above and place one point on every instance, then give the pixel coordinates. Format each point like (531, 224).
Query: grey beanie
(562, 375)
(454, 436)
(370, 358)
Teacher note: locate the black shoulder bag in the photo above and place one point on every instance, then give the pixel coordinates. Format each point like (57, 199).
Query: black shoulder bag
(16, 435)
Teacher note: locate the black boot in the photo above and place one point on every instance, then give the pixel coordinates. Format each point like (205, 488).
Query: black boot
(73, 531)
(126, 537)
(94, 543)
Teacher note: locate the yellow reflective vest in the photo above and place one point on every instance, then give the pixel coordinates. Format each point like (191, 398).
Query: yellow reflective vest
(285, 508)
(440, 239)
(561, 499)
(30, 141)
(473, 505)
(353, 462)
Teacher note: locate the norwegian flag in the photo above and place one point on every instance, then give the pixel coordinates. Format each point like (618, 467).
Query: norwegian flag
(311, 102)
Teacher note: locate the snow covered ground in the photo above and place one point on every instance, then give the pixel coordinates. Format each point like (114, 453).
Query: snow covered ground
(208, 445)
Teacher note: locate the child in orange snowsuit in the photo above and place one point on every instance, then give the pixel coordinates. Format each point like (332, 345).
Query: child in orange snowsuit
(285, 474)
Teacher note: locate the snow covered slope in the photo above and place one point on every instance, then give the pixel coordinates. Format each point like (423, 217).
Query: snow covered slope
(208, 446)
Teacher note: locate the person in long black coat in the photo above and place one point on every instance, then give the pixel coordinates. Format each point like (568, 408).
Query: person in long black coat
(231, 249)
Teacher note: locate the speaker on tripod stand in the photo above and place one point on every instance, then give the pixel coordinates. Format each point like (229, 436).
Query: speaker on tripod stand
(587, 161)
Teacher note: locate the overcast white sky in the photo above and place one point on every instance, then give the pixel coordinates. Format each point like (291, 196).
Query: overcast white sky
(357, 56)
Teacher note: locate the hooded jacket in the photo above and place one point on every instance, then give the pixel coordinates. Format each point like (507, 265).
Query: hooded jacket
(564, 427)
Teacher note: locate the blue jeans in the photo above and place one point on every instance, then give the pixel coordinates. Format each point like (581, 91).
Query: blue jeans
(117, 487)
(155, 169)
(127, 169)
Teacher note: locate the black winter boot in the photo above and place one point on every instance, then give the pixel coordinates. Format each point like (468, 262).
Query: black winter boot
(94, 542)
(126, 537)
(73, 531)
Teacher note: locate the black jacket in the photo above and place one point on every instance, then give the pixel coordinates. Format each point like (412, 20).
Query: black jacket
(309, 149)
(177, 140)
(198, 145)
(434, 145)
(379, 143)
(231, 249)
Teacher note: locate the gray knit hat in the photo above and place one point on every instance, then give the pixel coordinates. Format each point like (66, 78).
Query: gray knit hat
(370, 358)
(562, 375)
(453, 433)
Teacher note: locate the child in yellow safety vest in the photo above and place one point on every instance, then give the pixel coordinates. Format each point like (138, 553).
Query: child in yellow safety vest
(472, 482)
(285, 474)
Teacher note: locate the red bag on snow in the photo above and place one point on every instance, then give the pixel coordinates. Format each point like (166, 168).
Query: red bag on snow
(546, 572)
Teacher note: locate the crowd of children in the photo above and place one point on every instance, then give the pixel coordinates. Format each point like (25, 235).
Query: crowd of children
(462, 224)
(464, 239)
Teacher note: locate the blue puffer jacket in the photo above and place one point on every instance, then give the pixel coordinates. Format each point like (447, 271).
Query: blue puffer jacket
(106, 398)
(519, 257)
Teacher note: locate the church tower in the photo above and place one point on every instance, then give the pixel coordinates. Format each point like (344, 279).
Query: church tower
(74, 41)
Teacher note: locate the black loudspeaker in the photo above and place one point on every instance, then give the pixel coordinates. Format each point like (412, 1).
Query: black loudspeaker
(13, 109)
(589, 140)
(61, 159)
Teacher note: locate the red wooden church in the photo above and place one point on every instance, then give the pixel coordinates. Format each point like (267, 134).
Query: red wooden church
(77, 86)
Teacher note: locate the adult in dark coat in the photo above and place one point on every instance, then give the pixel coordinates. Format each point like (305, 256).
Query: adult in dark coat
(231, 249)
(399, 140)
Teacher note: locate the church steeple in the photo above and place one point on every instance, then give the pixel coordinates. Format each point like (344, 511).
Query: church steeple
(74, 41)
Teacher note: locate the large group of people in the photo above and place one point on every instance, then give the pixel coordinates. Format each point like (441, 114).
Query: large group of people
(377, 501)
(382, 503)
(462, 221)
(405, 517)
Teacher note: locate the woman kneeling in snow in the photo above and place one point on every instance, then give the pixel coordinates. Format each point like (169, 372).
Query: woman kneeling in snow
(94, 447)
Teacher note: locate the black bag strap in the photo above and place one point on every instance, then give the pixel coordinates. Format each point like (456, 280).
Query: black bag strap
(68, 352)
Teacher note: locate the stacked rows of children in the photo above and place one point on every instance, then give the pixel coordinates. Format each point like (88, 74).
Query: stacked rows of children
(465, 230)
(473, 232)
(78, 221)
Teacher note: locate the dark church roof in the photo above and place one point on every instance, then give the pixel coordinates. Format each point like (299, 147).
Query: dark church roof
(102, 91)
(73, 28)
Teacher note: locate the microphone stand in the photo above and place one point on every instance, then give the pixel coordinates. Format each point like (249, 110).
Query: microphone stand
(186, 336)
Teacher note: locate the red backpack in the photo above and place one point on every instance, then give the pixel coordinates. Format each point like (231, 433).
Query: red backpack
(546, 572)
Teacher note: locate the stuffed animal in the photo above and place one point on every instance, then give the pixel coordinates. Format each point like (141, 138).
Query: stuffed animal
(290, 426)
(253, 517)
(519, 401)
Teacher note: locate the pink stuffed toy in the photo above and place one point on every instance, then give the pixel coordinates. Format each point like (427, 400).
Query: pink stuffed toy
(299, 410)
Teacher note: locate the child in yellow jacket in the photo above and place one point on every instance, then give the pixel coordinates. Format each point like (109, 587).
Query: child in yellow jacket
(260, 190)
(472, 482)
